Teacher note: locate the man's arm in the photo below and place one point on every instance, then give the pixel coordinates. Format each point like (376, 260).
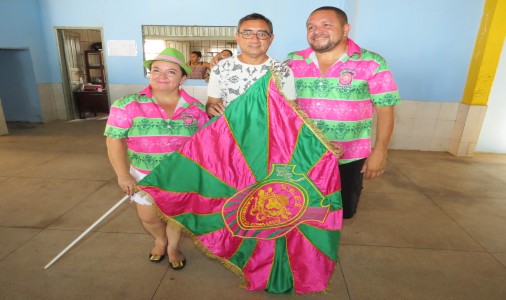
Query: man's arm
(376, 163)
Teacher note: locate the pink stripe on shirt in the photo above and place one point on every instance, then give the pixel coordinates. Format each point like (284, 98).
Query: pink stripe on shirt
(341, 110)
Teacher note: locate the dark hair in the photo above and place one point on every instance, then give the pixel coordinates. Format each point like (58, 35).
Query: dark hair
(199, 54)
(255, 16)
(226, 50)
(184, 72)
(341, 15)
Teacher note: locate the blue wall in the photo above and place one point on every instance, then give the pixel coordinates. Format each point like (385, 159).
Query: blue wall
(18, 91)
(428, 44)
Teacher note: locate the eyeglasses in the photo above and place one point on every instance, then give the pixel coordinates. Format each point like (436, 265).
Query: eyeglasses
(261, 35)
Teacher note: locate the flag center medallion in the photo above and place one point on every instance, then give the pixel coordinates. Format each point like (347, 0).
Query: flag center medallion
(272, 206)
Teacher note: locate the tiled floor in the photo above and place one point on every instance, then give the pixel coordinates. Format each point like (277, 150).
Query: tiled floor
(433, 227)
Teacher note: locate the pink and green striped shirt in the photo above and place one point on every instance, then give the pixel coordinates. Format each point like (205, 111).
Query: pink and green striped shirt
(150, 134)
(341, 102)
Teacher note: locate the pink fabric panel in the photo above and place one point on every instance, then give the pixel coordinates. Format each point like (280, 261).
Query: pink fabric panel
(233, 168)
(221, 243)
(258, 267)
(174, 204)
(281, 142)
(383, 82)
(311, 268)
(341, 110)
(362, 69)
(121, 118)
(156, 144)
(325, 174)
(356, 149)
(146, 110)
(302, 69)
(334, 221)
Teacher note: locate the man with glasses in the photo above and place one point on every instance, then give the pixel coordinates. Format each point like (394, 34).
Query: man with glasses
(231, 77)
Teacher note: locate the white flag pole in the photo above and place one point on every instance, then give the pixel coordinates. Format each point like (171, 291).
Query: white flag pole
(86, 231)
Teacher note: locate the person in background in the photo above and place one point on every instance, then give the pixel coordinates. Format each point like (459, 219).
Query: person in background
(142, 130)
(199, 69)
(233, 76)
(339, 86)
(226, 53)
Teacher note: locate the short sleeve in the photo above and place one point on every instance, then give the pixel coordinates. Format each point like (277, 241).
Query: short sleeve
(118, 122)
(213, 86)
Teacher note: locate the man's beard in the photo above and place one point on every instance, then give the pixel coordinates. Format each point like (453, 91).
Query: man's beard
(321, 48)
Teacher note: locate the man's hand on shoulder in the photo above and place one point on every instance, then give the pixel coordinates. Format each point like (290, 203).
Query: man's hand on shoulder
(214, 107)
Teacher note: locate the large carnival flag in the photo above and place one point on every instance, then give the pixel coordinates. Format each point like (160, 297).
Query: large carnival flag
(259, 190)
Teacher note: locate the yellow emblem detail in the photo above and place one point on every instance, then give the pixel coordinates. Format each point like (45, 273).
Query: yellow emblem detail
(267, 205)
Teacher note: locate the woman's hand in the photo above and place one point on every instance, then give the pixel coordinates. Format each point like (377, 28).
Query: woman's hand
(127, 184)
(117, 152)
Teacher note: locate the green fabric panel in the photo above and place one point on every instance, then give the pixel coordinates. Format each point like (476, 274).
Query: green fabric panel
(326, 241)
(386, 99)
(155, 127)
(201, 224)
(242, 255)
(281, 277)
(187, 176)
(336, 202)
(368, 55)
(123, 102)
(329, 88)
(146, 161)
(115, 132)
(344, 131)
(254, 134)
(303, 158)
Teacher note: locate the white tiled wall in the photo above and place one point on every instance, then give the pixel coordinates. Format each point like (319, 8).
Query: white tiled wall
(52, 102)
(467, 129)
(421, 125)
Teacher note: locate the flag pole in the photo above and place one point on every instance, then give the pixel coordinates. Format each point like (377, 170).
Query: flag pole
(87, 231)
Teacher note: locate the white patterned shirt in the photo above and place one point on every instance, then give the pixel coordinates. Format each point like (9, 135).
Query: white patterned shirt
(230, 78)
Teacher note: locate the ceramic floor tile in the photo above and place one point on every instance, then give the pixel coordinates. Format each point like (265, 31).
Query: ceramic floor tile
(393, 273)
(38, 143)
(501, 257)
(101, 266)
(392, 181)
(123, 219)
(484, 219)
(205, 278)
(399, 220)
(89, 166)
(33, 202)
(445, 177)
(12, 238)
(90, 144)
(492, 164)
(13, 162)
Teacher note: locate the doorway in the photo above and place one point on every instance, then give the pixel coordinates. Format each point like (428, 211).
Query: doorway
(84, 86)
